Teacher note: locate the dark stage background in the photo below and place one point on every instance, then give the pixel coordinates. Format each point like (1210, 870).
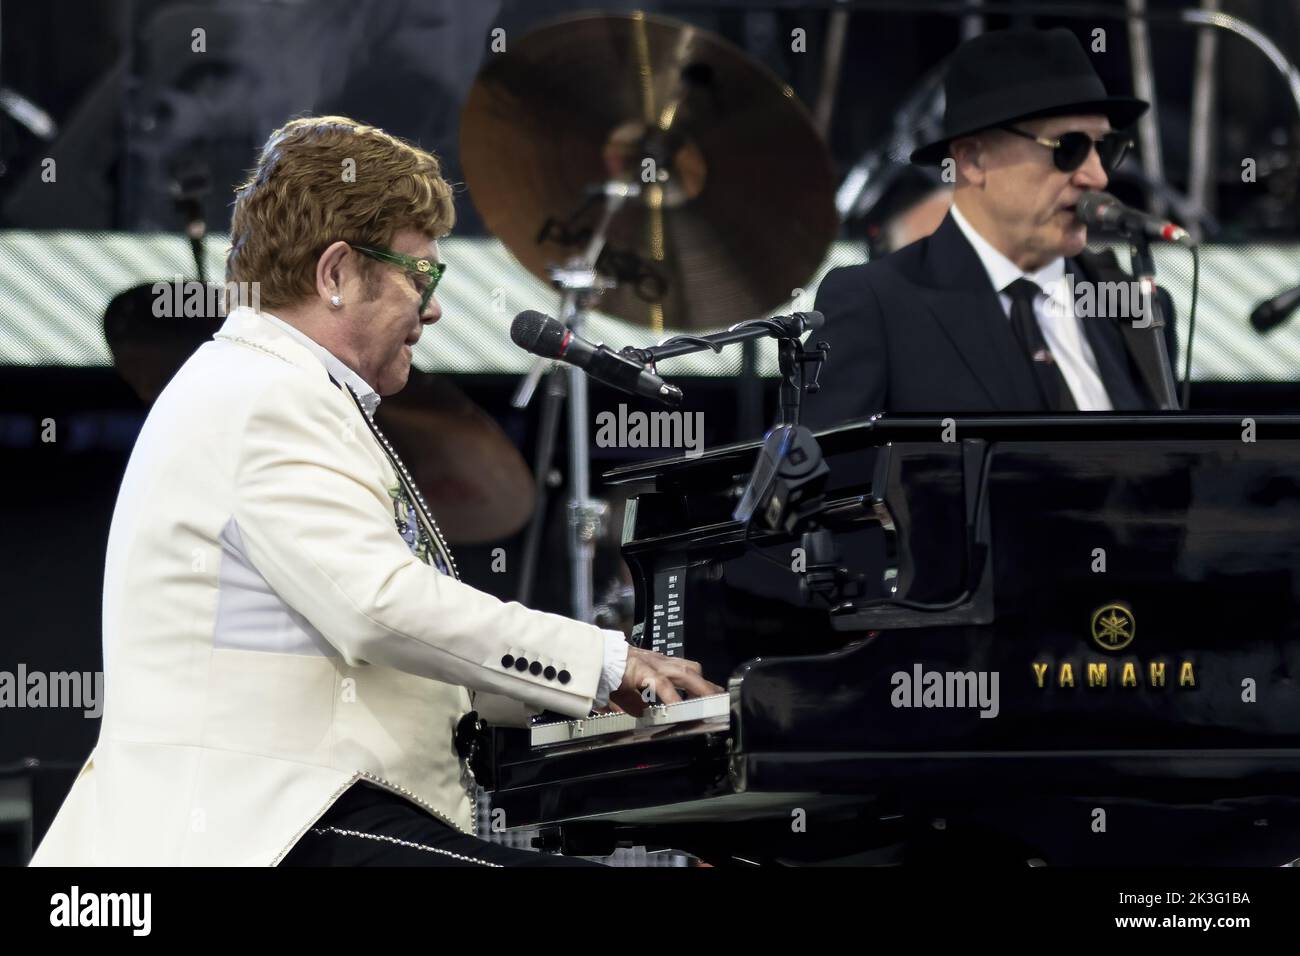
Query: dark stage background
(135, 116)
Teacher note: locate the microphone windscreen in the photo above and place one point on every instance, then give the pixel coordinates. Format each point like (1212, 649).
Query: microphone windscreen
(1273, 312)
(1090, 205)
(537, 333)
(1263, 318)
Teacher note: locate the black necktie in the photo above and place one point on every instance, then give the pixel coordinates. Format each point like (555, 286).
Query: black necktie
(1024, 323)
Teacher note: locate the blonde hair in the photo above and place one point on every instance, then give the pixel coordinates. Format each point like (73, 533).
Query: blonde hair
(321, 179)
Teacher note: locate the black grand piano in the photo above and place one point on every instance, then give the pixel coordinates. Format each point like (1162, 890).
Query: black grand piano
(1065, 640)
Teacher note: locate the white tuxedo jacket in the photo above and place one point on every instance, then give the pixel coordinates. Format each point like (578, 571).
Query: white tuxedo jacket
(270, 637)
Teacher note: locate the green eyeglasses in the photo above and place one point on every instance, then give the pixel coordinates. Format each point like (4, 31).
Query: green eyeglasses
(423, 270)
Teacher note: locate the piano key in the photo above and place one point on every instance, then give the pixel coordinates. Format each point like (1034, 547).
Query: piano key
(660, 715)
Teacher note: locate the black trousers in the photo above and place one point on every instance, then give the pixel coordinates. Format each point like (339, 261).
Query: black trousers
(370, 826)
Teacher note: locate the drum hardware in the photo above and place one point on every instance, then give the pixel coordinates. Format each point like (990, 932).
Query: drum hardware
(639, 140)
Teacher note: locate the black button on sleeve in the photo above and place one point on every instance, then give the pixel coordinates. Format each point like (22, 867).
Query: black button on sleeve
(535, 668)
(565, 677)
(521, 663)
(549, 673)
(507, 661)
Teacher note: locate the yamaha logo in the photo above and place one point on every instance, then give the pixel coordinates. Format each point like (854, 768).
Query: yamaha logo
(1113, 627)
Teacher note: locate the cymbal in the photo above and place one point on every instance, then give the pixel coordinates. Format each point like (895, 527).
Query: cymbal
(739, 207)
(475, 481)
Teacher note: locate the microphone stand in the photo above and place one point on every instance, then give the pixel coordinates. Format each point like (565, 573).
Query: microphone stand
(794, 358)
(1144, 270)
(785, 486)
(800, 369)
(579, 285)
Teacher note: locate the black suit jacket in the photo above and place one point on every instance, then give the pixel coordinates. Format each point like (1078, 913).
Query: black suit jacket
(922, 330)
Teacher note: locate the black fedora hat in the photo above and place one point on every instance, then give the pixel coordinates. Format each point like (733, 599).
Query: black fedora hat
(1006, 75)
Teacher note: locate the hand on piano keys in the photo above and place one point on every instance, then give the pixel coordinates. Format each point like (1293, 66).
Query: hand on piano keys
(668, 680)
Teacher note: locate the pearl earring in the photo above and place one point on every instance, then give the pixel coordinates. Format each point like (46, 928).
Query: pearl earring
(336, 301)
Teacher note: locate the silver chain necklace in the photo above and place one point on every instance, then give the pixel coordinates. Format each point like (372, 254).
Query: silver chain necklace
(404, 476)
(424, 514)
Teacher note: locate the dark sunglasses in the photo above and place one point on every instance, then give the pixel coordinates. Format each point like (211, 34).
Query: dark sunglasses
(1071, 150)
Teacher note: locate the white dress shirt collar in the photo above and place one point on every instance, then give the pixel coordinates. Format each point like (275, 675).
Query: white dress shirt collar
(1054, 310)
(340, 372)
(1002, 271)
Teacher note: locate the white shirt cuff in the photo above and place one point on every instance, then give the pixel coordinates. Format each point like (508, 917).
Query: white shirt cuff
(611, 672)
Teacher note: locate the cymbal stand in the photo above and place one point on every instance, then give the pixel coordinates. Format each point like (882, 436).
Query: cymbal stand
(579, 286)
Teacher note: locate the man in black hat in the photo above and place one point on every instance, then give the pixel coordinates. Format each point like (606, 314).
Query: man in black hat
(980, 316)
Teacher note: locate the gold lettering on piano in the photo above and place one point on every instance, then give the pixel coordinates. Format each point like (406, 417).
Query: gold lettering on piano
(1131, 673)
(1040, 672)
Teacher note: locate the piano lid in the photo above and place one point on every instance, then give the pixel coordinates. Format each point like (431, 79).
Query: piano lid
(882, 429)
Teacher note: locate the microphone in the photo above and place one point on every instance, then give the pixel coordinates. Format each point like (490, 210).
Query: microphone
(1106, 212)
(550, 338)
(1273, 312)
